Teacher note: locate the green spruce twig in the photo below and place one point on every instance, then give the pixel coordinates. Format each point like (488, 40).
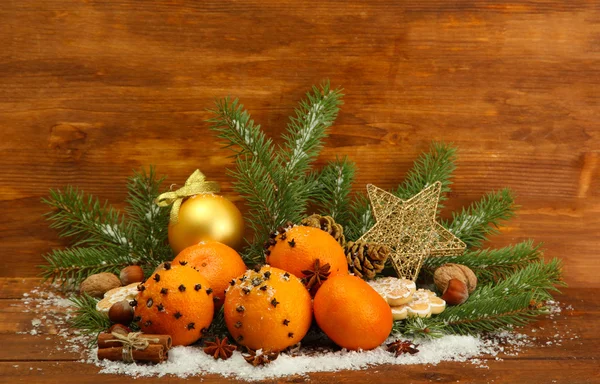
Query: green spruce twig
(514, 301)
(474, 224)
(86, 318)
(149, 221)
(84, 219)
(491, 265)
(105, 240)
(72, 265)
(307, 129)
(335, 183)
(276, 184)
(435, 165)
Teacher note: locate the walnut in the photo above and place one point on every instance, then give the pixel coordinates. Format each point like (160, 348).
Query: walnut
(97, 285)
(449, 271)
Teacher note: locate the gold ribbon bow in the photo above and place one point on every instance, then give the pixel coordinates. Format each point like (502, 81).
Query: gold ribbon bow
(130, 342)
(194, 185)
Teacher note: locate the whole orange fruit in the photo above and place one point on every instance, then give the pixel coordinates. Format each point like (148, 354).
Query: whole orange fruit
(176, 301)
(296, 250)
(217, 262)
(269, 309)
(352, 313)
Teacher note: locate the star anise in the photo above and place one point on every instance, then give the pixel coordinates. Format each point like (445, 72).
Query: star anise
(401, 347)
(316, 276)
(265, 357)
(219, 349)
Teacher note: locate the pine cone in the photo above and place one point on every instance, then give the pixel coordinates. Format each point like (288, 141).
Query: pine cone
(365, 260)
(327, 224)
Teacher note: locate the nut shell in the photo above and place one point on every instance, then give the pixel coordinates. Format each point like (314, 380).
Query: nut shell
(119, 328)
(131, 274)
(449, 271)
(457, 292)
(97, 285)
(121, 313)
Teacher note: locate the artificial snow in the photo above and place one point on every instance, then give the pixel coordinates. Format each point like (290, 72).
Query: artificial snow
(51, 313)
(192, 361)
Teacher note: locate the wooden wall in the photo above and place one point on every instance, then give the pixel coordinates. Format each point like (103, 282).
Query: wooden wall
(90, 90)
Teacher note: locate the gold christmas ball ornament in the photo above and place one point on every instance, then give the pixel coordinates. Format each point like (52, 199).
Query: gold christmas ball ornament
(206, 217)
(198, 214)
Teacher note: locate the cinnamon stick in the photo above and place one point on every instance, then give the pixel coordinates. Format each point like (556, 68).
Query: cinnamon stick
(154, 353)
(164, 340)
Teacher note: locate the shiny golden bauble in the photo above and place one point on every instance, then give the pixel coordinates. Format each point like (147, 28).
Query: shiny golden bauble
(207, 217)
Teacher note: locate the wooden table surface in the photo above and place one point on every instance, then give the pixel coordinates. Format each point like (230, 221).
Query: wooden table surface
(90, 90)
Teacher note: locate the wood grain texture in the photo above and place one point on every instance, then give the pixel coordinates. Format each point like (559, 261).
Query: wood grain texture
(43, 358)
(90, 90)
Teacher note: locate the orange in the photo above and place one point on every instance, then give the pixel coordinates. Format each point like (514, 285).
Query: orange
(217, 262)
(176, 301)
(269, 309)
(297, 249)
(352, 313)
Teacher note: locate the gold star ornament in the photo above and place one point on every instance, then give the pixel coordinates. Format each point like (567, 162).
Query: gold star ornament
(409, 228)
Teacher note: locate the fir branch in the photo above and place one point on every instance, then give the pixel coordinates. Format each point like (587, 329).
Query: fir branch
(73, 265)
(514, 301)
(335, 183)
(492, 314)
(149, 221)
(491, 265)
(84, 219)
(435, 165)
(360, 218)
(253, 183)
(234, 125)
(306, 131)
(276, 185)
(429, 328)
(473, 224)
(257, 169)
(87, 319)
(104, 240)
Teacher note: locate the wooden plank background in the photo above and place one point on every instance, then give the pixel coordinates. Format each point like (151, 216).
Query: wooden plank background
(90, 90)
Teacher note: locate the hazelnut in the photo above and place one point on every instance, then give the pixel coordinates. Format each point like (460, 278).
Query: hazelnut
(456, 292)
(131, 274)
(121, 312)
(97, 285)
(443, 274)
(119, 328)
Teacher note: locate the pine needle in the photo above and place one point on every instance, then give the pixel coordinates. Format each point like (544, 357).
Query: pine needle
(87, 319)
(491, 265)
(276, 183)
(104, 239)
(335, 183)
(436, 165)
(73, 265)
(474, 224)
(514, 301)
(83, 218)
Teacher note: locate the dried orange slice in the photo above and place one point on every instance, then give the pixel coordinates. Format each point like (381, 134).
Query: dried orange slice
(115, 295)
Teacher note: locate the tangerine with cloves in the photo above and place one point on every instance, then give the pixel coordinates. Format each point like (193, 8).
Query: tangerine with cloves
(298, 248)
(217, 262)
(169, 304)
(268, 309)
